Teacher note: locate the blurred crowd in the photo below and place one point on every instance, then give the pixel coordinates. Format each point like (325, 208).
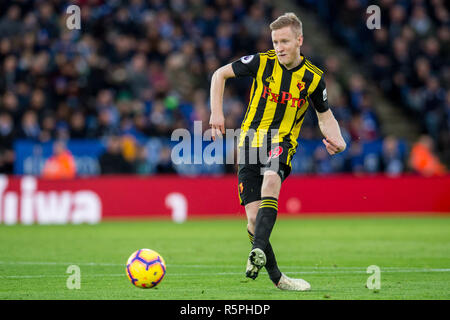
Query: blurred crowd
(408, 57)
(139, 69)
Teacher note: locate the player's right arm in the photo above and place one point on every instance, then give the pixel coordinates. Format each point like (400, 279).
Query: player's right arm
(244, 67)
(217, 120)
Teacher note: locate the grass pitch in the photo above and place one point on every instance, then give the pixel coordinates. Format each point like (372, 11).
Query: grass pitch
(206, 259)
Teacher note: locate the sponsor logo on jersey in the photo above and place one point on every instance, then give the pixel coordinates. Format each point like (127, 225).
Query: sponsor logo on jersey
(283, 97)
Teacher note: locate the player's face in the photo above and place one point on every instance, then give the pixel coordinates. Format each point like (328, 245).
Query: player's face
(287, 45)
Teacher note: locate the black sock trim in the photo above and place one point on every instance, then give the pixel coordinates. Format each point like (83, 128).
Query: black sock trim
(251, 236)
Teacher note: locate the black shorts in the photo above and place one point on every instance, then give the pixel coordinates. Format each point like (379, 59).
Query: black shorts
(250, 176)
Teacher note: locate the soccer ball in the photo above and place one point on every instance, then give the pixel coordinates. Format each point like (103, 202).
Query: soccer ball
(145, 268)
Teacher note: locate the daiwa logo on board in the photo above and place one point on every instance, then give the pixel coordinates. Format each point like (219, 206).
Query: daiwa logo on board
(29, 205)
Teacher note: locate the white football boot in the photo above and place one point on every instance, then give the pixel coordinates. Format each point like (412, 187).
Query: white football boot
(256, 260)
(291, 284)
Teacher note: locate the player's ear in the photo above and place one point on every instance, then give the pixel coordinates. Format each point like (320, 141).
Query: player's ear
(300, 40)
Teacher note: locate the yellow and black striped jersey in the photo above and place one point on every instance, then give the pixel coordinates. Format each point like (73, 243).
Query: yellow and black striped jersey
(279, 97)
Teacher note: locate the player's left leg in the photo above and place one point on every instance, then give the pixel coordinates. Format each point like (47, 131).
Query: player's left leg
(274, 272)
(265, 219)
(268, 209)
(274, 171)
(249, 186)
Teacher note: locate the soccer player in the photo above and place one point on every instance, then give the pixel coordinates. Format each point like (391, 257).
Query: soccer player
(285, 83)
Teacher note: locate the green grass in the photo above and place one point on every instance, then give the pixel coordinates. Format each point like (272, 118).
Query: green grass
(206, 259)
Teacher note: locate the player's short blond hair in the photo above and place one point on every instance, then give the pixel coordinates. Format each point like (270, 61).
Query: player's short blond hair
(288, 19)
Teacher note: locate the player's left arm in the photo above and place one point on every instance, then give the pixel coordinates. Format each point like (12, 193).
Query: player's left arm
(329, 127)
(333, 141)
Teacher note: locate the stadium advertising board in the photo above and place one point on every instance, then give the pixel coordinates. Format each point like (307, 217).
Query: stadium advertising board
(29, 200)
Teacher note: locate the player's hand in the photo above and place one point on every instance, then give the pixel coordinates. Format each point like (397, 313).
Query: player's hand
(333, 147)
(217, 123)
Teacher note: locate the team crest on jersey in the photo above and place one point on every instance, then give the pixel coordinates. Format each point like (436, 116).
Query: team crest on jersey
(301, 85)
(241, 187)
(247, 59)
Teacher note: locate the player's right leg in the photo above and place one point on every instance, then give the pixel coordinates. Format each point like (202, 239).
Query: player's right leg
(291, 284)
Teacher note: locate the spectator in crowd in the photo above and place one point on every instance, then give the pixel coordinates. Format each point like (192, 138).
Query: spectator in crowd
(61, 165)
(129, 148)
(30, 128)
(6, 143)
(6, 131)
(10, 24)
(165, 164)
(48, 125)
(355, 161)
(142, 165)
(113, 161)
(322, 162)
(78, 129)
(392, 160)
(423, 159)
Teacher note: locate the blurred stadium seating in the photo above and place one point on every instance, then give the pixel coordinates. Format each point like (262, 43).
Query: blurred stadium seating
(115, 90)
